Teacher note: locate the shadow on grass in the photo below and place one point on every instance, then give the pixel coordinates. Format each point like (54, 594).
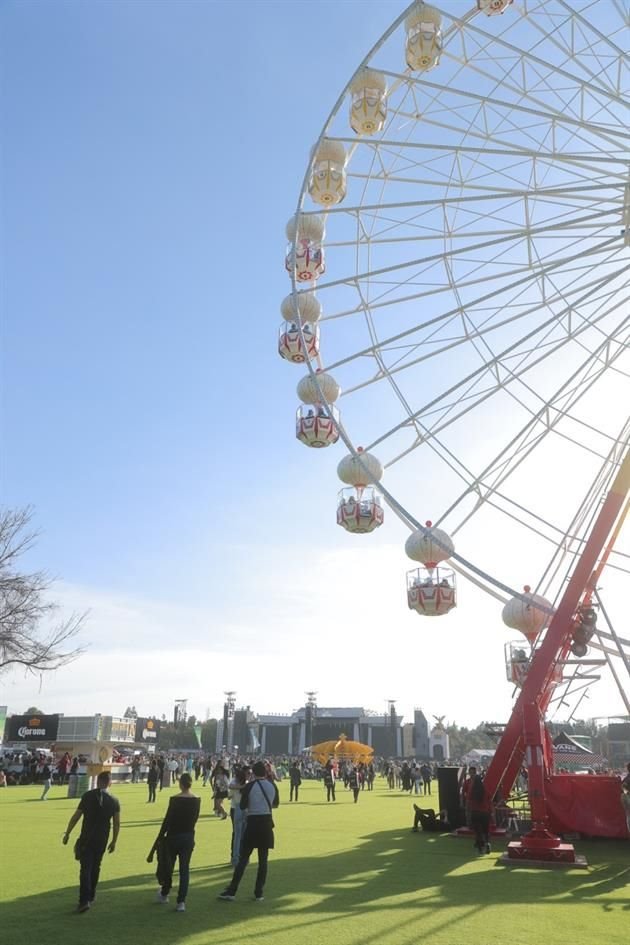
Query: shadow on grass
(413, 877)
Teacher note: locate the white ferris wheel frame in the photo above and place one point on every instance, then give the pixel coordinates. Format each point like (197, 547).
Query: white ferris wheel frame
(596, 361)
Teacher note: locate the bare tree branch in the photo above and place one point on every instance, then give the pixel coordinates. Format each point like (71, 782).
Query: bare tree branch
(24, 606)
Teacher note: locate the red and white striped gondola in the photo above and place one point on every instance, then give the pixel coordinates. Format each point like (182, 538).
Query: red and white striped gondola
(306, 257)
(431, 589)
(316, 424)
(431, 592)
(359, 509)
(294, 346)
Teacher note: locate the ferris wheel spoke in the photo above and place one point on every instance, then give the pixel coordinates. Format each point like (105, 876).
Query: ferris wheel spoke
(471, 331)
(586, 158)
(574, 265)
(475, 247)
(440, 403)
(526, 54)
(529, 437)
(589, 27)
(588, 193)
(548, 116)
(445, 317)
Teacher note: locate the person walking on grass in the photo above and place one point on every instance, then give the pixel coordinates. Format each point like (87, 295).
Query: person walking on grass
(176, 841)
(329, 782)
(295, 778)
(153, 775)
(480, 807)
(98, 808)
(257, 798)
(220, 783)
(237, 816)
(46, 780)
(353, 783)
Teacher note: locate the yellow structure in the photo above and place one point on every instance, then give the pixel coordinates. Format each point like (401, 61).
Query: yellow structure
(342, 750)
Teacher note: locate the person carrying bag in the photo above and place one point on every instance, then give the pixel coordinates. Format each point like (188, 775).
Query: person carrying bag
(176, 841)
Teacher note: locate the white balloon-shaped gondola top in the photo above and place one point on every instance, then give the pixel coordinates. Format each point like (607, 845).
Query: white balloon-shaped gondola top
(424, 37)
(327, 185)
(361, 470)
(293, 345)
(309, 394)
(492, 7)
(429, 546)
(529, 614)
(309, 308)
(306, 226)
(368, 109)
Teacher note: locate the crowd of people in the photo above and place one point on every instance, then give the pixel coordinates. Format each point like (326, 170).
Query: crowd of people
(253, 794)
(250, 789)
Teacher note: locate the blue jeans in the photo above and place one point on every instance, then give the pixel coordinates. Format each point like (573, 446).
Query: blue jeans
(181, 846)
(239, 821)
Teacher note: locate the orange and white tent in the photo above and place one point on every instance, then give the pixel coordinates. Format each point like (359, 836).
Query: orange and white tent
(342, 750)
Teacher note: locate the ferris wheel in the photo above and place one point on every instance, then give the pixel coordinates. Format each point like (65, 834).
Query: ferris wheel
(459, 301)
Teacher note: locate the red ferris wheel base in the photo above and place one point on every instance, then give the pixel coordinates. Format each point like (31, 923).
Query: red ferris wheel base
(526, 853)
(525, 740)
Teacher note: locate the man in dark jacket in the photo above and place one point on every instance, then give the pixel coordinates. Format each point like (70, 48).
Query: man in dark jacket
(98, 809)
(295, 778)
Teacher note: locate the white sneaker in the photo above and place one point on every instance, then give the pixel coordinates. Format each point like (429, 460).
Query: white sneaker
(180, 907)
(160, 898)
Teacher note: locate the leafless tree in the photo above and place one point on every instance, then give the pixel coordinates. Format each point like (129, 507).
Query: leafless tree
(29, 635)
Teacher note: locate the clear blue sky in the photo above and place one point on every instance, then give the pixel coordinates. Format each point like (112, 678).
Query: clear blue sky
(152, 154)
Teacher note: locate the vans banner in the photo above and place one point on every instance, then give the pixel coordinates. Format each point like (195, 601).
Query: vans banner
(32, 728)
(147, 730)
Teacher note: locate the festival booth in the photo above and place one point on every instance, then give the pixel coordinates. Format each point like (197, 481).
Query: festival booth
(100, 742)
(586, 804)
(342, 750)
(571, 756)
(92, 738)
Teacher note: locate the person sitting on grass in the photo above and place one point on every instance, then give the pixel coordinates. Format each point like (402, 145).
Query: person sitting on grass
(429, 822)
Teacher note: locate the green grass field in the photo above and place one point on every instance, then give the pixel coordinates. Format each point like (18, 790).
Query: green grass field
(340, 874)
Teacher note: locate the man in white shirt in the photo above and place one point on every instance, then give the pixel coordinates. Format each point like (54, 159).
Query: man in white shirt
(258, 797)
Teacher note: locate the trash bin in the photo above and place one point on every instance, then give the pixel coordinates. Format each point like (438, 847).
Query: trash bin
(83, 784)
(72, 785)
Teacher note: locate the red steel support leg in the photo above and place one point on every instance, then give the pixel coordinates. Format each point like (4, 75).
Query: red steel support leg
(525, 726)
